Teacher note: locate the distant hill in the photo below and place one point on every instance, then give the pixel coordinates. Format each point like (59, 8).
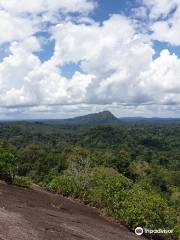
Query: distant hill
(153, 120)
(104, 117)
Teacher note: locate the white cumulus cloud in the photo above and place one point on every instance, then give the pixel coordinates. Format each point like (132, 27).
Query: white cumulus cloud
(165, 17)
(117, 68)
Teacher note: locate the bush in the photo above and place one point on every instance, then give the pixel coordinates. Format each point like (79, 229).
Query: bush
(8, 162)
(118, 196)
(137, 207)
(115, 193)
(22, 181)
(82, 185)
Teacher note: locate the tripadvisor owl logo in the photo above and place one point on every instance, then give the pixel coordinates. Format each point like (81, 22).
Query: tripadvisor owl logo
(139, 231)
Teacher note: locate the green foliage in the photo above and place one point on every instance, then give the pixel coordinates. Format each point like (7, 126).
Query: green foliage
(22, 181)
(8, 162)
(147, 209)
(139, 169)
(39, 161)
(130, 171)
(118, 196)
(79, 158)
(82, 185)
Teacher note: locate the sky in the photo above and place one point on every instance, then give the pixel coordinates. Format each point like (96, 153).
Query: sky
(60, 59)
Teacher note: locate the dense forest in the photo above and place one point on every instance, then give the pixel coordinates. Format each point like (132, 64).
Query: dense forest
(130, 171)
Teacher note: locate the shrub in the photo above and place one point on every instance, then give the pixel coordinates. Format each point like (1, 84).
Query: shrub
(146, 209)
(8, 162)
(22, 181)
(118, 196)
(60, 185)
(96, 196)
(115, 193)
(137, 207)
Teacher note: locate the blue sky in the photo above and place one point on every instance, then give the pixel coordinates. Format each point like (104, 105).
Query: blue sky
(61, 59)
(107, 8)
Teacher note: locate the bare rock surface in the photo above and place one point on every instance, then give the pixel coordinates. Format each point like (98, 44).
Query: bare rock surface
(34, 214)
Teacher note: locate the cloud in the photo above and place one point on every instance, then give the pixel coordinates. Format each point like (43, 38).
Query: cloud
(116, 65)
(104, 61)
(34, 7)
(23, 18)
(160, 8)
(165, 18)
(112, 52)
(14, 28)
(24, 80)
(160, 81)
(13, 71)
(168, 31)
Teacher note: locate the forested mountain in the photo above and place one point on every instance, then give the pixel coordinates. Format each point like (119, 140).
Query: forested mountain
(104, 117)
